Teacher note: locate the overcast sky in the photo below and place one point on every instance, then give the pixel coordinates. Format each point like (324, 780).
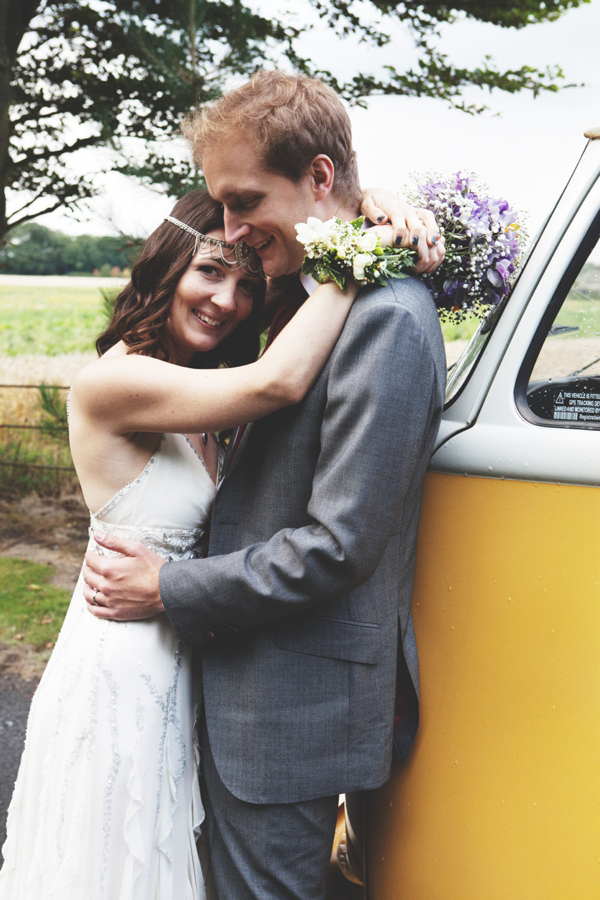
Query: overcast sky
(524, 149)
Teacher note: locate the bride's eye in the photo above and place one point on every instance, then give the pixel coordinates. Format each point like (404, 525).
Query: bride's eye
(248, 286)
(208, 269)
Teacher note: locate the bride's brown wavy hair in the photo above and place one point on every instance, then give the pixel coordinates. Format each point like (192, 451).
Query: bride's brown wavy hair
(143, 306)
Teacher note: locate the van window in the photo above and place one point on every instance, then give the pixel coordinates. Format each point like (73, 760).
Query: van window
(564, 385)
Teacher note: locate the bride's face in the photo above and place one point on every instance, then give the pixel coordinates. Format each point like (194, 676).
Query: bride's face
(210, 300)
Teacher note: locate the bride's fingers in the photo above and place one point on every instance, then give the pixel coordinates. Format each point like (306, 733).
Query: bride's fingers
(435, 256)
(427, 219)
(372, 211)
(385, 233)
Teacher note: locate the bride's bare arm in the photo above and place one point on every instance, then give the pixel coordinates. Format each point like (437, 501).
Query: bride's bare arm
(124, 394)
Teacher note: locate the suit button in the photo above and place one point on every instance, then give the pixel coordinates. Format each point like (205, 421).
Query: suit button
(231, 629)
(209, 634)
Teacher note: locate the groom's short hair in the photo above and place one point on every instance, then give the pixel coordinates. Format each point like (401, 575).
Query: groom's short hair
(291, 119)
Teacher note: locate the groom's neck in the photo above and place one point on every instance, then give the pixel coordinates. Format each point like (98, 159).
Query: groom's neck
(343, 210)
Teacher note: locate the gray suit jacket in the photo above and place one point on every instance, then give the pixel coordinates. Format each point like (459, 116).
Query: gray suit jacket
(309, 574)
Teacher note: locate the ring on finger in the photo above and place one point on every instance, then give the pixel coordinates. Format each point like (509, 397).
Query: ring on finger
(95, 592)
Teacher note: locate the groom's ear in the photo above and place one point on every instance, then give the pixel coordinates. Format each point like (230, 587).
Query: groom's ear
(322, 172)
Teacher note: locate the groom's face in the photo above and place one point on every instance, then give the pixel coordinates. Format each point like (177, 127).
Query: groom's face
(261, 207)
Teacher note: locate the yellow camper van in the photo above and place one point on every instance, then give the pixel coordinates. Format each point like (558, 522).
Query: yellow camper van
(500, 798)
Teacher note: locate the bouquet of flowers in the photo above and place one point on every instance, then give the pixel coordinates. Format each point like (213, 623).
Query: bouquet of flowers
(334, 248)
(484, 243)
(485, 240)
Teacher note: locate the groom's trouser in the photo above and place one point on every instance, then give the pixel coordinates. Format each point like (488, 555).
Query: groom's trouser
(265, 851)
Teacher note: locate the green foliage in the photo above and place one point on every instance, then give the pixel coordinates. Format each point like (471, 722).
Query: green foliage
(54, 411)
(93, 74)
(36, 250)
(31, 610)
(49, 321)
(109, 300)
(434, 75)
(34, 463)
(36, 459)
(461, 331)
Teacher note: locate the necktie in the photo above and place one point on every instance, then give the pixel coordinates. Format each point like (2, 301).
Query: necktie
(293, 295)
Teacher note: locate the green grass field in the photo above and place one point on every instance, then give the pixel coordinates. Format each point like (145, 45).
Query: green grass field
(31, 610)
(56, 320)
(49, 321)
(581, 313)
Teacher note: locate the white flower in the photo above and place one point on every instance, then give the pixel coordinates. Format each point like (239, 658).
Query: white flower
(366, 242)
(359, 264)
(315, 231)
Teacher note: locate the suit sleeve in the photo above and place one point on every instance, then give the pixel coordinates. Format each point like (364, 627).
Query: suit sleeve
(382, 398)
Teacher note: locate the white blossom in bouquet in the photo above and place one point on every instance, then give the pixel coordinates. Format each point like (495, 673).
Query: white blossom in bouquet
(485, 241)
(335, 248)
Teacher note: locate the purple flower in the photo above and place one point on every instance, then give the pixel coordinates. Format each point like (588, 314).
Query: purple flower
(483, 244)
(504, 268)
(494, 278)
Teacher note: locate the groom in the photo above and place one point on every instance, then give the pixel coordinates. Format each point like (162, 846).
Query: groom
(302, 609)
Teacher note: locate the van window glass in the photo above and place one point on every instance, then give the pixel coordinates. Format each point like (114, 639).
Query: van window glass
(459, 373)
(564, 386)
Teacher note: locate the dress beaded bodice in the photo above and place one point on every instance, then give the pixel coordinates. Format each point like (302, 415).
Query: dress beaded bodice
(145, 509)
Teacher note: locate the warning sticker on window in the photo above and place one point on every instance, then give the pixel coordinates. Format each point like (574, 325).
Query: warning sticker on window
(577, 406)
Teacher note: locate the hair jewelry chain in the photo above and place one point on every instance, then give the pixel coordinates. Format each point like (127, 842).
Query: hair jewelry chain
(240, 254)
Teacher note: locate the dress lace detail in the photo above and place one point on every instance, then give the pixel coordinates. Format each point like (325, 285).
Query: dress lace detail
(170, 543)
(107, 803)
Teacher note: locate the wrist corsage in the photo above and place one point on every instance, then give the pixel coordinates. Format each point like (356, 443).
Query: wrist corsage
(485, 241)
(335, 249)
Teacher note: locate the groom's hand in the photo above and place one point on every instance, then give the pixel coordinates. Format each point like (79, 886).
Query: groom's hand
(125, 587)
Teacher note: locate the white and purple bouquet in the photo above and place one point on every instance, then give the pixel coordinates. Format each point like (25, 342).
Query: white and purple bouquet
(484, 244)
(485, 241)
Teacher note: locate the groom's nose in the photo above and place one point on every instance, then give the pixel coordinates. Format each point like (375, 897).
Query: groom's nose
(235, 227)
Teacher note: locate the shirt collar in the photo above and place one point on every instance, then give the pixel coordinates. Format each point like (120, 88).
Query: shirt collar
(308, 283)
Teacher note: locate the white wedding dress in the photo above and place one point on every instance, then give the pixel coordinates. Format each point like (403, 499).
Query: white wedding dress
(107, 802)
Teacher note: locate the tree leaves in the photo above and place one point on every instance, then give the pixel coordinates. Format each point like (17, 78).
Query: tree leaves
(97, 73)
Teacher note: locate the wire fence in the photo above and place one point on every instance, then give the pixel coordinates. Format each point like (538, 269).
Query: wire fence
(34, 448)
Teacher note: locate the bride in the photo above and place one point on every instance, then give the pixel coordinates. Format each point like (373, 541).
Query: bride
(106, 804)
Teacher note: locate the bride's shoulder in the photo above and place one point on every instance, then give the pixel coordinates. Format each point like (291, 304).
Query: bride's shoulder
(117, 381)
(97, 378)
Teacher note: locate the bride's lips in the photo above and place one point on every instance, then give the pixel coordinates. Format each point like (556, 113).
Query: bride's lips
(207, 320)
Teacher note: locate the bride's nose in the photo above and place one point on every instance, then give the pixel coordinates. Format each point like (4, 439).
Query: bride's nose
(224, 296)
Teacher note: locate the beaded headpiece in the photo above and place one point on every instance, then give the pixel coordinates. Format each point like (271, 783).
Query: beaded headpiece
(232, 255)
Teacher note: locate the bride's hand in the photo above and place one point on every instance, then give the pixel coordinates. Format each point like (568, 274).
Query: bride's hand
(386, 234)
(415, 228)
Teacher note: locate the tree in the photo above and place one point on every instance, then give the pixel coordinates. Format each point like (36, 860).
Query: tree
(96, 73)
(33, 249)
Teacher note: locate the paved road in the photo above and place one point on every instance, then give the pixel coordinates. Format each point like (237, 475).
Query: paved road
(15, 697)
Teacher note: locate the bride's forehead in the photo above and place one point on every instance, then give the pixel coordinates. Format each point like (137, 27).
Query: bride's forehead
(218, 234)
(215, 248)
